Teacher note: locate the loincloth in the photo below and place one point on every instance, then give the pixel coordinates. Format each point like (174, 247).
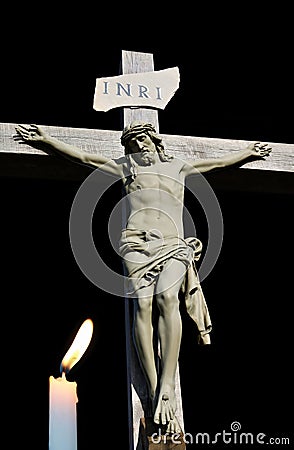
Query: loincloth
(145, 253)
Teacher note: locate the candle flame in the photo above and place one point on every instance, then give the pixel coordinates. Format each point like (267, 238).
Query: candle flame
(78, 346)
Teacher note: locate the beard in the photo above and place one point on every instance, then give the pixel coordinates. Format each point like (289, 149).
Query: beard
(148, 158)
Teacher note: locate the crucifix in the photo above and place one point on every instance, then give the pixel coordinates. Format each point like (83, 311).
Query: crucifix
(180, 146)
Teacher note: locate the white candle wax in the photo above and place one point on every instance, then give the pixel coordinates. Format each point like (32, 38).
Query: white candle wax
(62, 414)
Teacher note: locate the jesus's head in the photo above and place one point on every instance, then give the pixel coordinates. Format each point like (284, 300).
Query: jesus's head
(140, 129)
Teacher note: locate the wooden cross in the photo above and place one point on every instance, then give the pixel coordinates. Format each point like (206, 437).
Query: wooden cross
(22, 161)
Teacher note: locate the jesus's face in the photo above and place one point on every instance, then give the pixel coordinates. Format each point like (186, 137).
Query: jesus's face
(143, 149)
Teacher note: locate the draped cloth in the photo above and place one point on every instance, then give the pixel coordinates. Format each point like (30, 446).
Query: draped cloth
(145, 254)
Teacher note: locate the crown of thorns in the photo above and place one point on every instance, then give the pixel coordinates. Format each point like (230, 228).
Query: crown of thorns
(135, 128)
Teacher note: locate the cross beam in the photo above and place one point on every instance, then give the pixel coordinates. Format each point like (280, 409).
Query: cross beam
(273, 175)
(107, 142)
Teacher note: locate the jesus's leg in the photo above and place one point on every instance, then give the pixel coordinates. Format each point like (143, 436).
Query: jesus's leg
(143, 336)
(170, 333)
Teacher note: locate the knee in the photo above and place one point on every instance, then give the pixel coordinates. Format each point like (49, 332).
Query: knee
(144, 305)
(167, 301)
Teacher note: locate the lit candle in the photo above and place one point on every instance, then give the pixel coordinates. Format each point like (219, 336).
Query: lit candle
(63, 394)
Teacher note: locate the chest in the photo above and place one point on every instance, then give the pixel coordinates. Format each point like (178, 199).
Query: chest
(165, 176)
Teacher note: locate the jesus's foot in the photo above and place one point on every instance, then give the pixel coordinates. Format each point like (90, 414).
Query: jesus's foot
(165, 413)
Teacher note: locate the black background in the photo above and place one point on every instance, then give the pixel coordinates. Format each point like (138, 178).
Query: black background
(236, 83)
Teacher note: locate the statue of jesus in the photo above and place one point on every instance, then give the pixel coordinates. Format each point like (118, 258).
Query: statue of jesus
(160, 262)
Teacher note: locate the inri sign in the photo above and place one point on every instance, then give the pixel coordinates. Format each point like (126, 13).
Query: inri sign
(146, 89)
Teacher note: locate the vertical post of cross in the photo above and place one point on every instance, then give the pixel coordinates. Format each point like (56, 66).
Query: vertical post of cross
(136, 62)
